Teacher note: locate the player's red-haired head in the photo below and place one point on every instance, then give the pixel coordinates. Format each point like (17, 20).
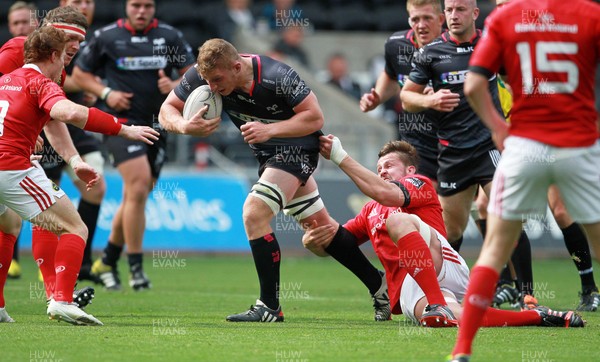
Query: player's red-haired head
(42, 43)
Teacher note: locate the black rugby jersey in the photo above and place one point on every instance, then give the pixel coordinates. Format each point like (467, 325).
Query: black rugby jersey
(419, 129)
(276, 90)
(130, 61)
(446, 62)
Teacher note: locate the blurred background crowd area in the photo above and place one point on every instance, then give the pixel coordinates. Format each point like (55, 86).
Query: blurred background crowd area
(336, 46)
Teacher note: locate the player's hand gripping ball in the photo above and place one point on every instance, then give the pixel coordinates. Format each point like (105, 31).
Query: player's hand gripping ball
(200, 97)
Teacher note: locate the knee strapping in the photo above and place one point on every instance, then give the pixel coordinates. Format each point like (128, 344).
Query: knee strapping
(271, 194)
(304, 206)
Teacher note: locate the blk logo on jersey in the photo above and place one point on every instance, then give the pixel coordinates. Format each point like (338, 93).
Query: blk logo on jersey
(464, 49)
(448, 185)
(456, 77)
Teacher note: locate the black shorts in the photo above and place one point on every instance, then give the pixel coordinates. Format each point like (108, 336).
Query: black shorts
(53, 164)
(122, 149)
(298, 163)
(461, 168)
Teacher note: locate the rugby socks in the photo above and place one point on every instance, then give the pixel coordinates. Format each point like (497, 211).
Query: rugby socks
(521, 259)
(480, 293)
(89, 214)
(111, 255)
(67, 263)
(415, 257)
(456, 244)
(509, 318)
(43, 248)
(267, 260)
(7, 242)
(344, 249)
(577, 245)
(135, 261)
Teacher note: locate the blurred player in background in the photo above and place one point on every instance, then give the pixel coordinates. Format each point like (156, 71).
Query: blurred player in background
(136, 55)
(280, 118)
(29, 99)
(419, 129)
(22, 18)
(553, 128)
(408, 237)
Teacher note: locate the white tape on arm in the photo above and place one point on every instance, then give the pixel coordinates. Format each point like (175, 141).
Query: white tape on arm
(337, 152)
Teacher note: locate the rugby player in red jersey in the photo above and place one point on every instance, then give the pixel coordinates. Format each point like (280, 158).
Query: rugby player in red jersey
(549, 50)
(405, 225)
(29, 98)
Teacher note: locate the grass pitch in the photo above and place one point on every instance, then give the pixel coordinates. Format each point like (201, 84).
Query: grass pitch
(328, 318)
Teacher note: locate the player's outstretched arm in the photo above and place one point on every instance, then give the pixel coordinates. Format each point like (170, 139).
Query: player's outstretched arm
(480, 99)
(368, 182)
(94, 120)
(171, 119)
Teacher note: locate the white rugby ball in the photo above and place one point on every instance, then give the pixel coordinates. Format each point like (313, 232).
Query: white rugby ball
(200, 97)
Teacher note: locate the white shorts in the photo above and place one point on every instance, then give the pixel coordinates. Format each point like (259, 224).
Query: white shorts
(528, 168)
(27, 192)
(453, 278)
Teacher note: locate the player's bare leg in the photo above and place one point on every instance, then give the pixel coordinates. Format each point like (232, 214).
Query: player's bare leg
(137, 183)
(456, 210)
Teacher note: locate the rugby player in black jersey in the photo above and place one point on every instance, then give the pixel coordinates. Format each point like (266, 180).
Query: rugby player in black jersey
(280, 118)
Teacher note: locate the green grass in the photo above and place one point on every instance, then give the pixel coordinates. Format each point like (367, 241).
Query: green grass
(328, 318)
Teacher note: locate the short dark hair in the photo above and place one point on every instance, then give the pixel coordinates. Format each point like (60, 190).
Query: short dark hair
(41, 43)
(406, 152)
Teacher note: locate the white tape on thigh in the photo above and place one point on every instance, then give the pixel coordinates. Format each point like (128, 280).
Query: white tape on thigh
(424, 229)
(304, 206)
(270, 193)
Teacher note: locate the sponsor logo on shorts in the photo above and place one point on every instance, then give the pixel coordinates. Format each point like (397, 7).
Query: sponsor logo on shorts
(448, 185)
(133, 148)
(55, 186)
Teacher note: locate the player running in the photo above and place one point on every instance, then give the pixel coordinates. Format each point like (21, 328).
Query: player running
(280, 118)
(29, 98)
(550, 50)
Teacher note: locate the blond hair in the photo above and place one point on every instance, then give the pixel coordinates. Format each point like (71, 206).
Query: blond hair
(436, 4)
(216, 53)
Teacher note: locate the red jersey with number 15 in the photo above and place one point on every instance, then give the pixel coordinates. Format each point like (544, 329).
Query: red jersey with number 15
(421, 200)
(26, 98)
(549, 49)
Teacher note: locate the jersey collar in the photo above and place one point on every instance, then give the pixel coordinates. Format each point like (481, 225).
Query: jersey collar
(122, 23)
(411, 38)
(256, 69)
(34, 67)
(448, 38)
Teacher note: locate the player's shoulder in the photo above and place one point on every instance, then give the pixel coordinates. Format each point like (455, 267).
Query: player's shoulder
(439, 41)
(168, 29)
(109, 29)
(400, 37)
(16, 42)
(417, 180)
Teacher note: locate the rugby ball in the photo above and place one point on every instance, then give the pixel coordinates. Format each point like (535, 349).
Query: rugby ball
(200, 97)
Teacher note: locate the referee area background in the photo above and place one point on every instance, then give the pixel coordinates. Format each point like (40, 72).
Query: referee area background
(197, 202)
